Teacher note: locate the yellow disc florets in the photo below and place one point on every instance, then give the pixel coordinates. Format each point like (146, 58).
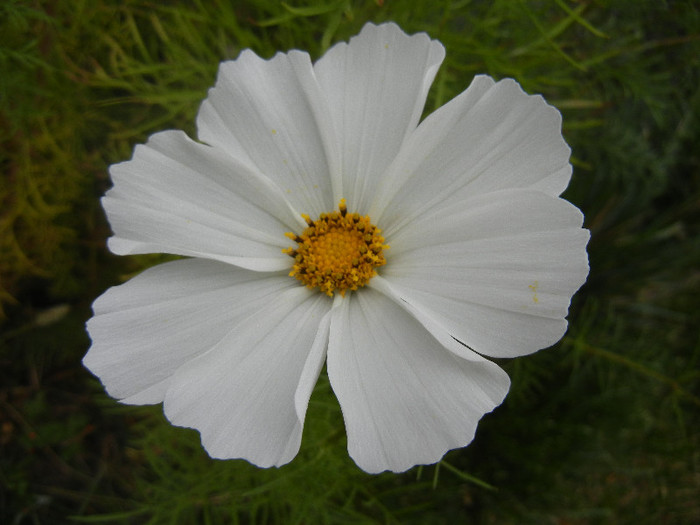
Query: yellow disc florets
(337, 252)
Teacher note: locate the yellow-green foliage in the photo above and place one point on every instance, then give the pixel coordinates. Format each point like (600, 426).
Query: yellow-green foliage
(45, 166)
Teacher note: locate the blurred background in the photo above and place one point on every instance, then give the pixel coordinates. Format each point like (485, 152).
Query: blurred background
(601, 428)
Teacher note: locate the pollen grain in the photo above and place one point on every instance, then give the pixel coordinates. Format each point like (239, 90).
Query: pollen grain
(339, 251)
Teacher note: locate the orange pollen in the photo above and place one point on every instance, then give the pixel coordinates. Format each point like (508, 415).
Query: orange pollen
(337, 252)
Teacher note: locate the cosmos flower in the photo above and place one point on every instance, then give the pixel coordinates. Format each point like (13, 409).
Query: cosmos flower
(324, 224)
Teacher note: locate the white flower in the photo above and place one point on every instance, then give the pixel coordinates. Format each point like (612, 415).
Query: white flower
(483, 255)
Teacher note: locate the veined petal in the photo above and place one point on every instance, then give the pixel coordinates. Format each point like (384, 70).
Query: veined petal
(405, 399)
(376, 86)
(247, 396)
(271, 114)
(178, 196)
(491, 137)
(496, 272)
(146, 328)
(232, 353)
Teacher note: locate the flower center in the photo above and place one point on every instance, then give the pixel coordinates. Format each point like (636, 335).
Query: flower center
(339, 251)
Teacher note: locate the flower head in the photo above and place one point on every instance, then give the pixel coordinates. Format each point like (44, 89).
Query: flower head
(324, 223)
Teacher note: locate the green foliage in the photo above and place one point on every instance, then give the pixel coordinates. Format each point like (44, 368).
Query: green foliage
(602, 428)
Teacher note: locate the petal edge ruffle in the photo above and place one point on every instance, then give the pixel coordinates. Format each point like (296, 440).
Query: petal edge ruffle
(376, 86)
(247, 396)
(178, 196)
(496, 274)
(491, 137)
(405, 399)
(239, 371)
(272, 115)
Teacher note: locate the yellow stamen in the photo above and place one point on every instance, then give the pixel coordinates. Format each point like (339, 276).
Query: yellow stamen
(337, 252)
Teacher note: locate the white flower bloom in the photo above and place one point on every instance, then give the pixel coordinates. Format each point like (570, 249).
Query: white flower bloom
(482, 259)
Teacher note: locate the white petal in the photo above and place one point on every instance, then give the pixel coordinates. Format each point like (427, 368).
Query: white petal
(405, 399)
(178, 196)
(496, 272)
(146, 328)
(272, 115)
(376, 86)
(248, 395)
(491, 137)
